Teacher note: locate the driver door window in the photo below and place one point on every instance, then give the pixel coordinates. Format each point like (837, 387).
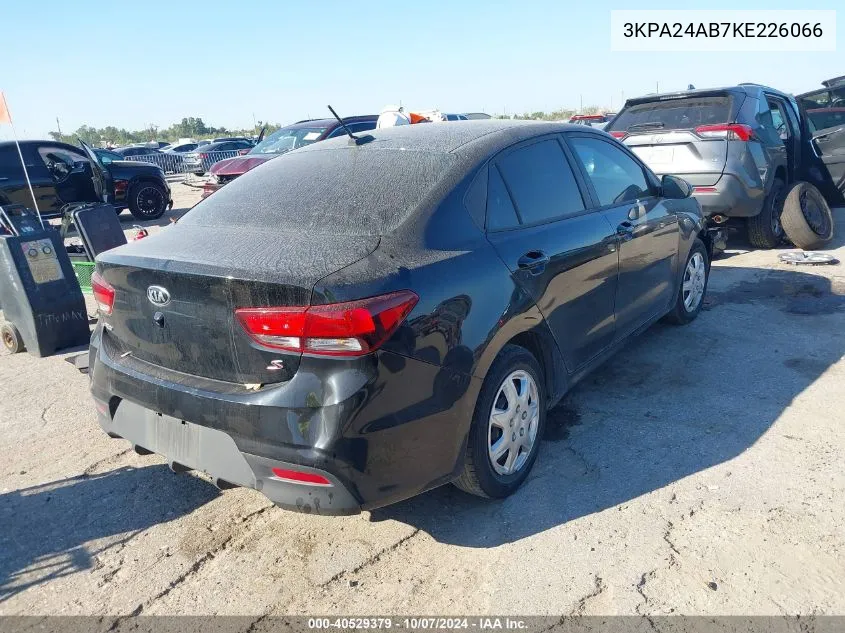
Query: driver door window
(616, 177)
(779, 120)
(59, 161)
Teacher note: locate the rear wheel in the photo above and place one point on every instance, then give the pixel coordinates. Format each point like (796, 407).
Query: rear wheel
(807, 219)
(504, 438)
(11, 338)
(147, 200)
(765, 229)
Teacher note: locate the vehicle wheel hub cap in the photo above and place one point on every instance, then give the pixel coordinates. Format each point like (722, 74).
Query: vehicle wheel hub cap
(695, 279)
(513, 422)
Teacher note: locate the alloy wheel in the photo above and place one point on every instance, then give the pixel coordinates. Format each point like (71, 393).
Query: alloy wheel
(149, 200)
(695, 277)
(514, 419)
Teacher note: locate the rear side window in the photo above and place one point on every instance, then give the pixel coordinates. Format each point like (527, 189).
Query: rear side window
(675, 114)
(354, 191)
(501, 214)
(616, 177)
(541, 182)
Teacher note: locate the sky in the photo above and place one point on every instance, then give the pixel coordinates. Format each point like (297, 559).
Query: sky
(132, 64)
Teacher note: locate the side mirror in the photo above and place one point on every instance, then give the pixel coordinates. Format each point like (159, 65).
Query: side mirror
(675, 188)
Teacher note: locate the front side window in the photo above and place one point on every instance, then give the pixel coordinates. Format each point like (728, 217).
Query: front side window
(779, 119)
(616, 177)
(59, 161)
(541, 182)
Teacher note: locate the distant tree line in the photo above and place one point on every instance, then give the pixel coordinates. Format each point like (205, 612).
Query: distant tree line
(557, 115)
(189, 127)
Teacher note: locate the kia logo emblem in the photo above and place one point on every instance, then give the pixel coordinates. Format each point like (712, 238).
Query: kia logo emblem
(158, 296)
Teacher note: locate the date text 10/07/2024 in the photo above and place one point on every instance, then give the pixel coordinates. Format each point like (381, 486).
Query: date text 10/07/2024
(419, 623)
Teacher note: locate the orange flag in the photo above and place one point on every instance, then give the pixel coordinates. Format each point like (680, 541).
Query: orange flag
(5, 117)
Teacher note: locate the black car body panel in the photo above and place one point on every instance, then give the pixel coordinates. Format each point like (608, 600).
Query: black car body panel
(407, 210)
(72, 181)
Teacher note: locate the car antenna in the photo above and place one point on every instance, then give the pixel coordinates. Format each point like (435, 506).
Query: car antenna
(357, 140)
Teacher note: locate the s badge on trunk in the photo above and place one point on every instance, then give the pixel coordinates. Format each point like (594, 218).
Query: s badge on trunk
(158, 295)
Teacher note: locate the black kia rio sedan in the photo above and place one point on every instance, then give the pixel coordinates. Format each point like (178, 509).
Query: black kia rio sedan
(357, 322)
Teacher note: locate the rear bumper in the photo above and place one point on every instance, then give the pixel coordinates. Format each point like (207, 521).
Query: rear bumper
(189, 446)
(380, 428)
(729, 197)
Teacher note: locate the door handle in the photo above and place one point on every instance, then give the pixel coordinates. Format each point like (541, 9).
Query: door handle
(625, 229)
(533, 260)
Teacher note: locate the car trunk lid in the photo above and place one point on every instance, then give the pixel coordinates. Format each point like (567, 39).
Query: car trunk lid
(176, 294)
(665, 132)
(681, 152)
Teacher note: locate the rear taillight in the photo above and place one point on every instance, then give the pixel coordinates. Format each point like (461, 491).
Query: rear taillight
(120, 187)
(300, 477)
(730, 131)
(103, 293)
(353, 328)
(620, 134)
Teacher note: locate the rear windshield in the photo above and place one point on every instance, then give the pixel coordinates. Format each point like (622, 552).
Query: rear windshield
(346, 191)
(675, 114)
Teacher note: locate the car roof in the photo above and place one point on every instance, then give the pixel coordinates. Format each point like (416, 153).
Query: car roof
(27, 143)
(749, 89)
(472, 141)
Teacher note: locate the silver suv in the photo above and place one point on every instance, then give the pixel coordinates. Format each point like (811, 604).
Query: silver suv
(739, 147)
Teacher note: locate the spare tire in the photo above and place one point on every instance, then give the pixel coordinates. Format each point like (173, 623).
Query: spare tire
(806, 219)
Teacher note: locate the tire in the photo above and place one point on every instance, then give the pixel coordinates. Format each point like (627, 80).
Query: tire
(480, 477)
(693, 286)
(11, 338)
(147, 200)
(765, 229)
(807, 219)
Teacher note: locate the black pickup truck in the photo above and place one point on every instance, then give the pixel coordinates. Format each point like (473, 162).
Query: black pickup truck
(62, 173)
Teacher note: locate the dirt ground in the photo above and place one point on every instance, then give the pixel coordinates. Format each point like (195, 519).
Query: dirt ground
(700, 471)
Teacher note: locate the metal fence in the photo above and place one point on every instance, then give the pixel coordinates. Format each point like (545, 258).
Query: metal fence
(198, 162)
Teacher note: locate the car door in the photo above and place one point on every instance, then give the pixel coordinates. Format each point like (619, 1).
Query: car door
(828, 134)
(646, 226)
(13, 187)
(560, 252)
(101, 177)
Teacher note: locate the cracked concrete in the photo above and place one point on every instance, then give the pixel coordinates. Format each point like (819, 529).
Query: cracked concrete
(698, 472)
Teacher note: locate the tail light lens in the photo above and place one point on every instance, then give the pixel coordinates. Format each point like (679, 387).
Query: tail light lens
(103, 293)
(620, 134)
(352, 328)
(120, 187)
(300, 477)
(730, 131)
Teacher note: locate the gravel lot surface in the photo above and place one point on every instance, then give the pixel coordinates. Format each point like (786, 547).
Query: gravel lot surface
(700, 471)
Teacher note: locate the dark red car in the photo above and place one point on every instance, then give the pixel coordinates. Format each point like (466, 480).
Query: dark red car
(281, 141)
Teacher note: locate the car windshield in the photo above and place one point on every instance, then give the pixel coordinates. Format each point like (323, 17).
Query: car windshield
(286, 139)
(675, 114)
